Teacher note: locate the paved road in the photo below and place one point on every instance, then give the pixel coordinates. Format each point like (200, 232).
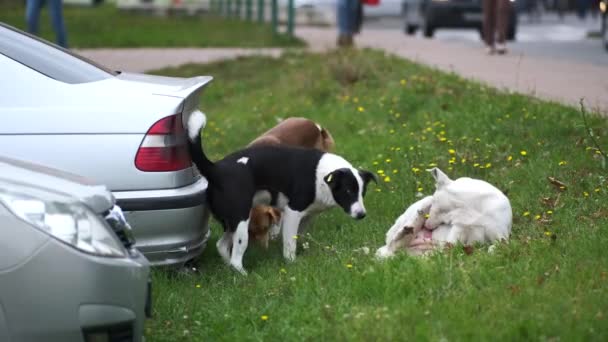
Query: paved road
(551, 38)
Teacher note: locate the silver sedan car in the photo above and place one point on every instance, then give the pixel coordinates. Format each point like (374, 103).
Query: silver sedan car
(120, 129)
(68, 271)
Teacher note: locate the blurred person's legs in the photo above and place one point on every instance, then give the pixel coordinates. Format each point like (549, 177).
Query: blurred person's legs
(503, 8)
(489, 23)
(56, 11)
(32, 15)
(347, 16)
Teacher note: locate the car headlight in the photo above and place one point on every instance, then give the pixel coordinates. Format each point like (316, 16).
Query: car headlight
(72, 223)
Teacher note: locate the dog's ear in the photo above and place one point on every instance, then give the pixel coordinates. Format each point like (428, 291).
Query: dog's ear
(332, 178)
(441, 179)
(273, 214)
(368, 176)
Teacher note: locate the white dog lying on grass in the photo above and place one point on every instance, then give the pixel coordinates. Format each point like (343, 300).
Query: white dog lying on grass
(464, 211)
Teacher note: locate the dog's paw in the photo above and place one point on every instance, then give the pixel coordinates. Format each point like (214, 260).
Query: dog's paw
(240, 269)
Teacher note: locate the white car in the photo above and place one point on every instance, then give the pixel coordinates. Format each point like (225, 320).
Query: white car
(120, 129)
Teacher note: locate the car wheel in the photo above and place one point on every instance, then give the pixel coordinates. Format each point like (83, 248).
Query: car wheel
(429, 31)
(411, 29)
(511, 33)
(512, 30)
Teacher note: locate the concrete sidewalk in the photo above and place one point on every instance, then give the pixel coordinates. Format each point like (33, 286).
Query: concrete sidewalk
(147, 59)
(560, 81)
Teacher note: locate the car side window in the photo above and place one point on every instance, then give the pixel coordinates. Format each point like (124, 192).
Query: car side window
(48, 59)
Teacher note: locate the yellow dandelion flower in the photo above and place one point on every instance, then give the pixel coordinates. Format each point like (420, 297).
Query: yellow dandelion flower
(562, 163)
(380, 172)
(477, 140)
(388, 160)
(537, 217)
(585, 193)
(375, 163)
(451, 151)
(476, 165)
(264, 317)
(463, 160)
(509, 158)
(597, 190)
(403, 125)
(443, 139)
(395, 171)
(549, 212)
(392, 131)
(488, 165)
(523, 153)
(526, 213)
(283, 270)
(397, 148)
(442, 133)
(361, 109)
(403, 82)
(387, 179)
(295, 237)
(548, 233)
(349, 266)
(415, 170)
(429, 129)
(198, 286)
(420, 189)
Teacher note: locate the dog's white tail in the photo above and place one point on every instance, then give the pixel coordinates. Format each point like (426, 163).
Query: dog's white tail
(196, 122)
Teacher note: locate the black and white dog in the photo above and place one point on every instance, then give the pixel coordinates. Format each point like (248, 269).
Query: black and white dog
(305, 181)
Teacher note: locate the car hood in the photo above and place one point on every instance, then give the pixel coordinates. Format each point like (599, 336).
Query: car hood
(19, 176)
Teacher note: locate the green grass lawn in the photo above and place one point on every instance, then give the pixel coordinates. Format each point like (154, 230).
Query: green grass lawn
(550, 282)
(106, 26)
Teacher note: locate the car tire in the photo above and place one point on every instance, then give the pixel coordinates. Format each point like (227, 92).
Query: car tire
(512, 30)
(429, 31)
(511, 33)
(411, 29)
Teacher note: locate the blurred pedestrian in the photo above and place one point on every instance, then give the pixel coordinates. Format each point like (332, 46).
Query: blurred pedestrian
(349, 22)
(32, 16)
(495, 25)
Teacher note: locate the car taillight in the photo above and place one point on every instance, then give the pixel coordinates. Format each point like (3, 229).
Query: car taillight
(164, 147)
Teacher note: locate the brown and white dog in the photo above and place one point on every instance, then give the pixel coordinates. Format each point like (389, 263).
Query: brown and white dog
(295, 131)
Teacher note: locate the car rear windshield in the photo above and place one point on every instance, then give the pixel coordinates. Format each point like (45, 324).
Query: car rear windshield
(48, 59)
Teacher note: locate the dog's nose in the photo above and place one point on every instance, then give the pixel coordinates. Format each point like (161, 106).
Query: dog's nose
(360, 215)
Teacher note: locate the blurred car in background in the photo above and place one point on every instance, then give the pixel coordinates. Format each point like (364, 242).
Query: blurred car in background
(604, 12)
(430, 15)
(190, 7)
(68, 271)
(82, 2)
(123, 130)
